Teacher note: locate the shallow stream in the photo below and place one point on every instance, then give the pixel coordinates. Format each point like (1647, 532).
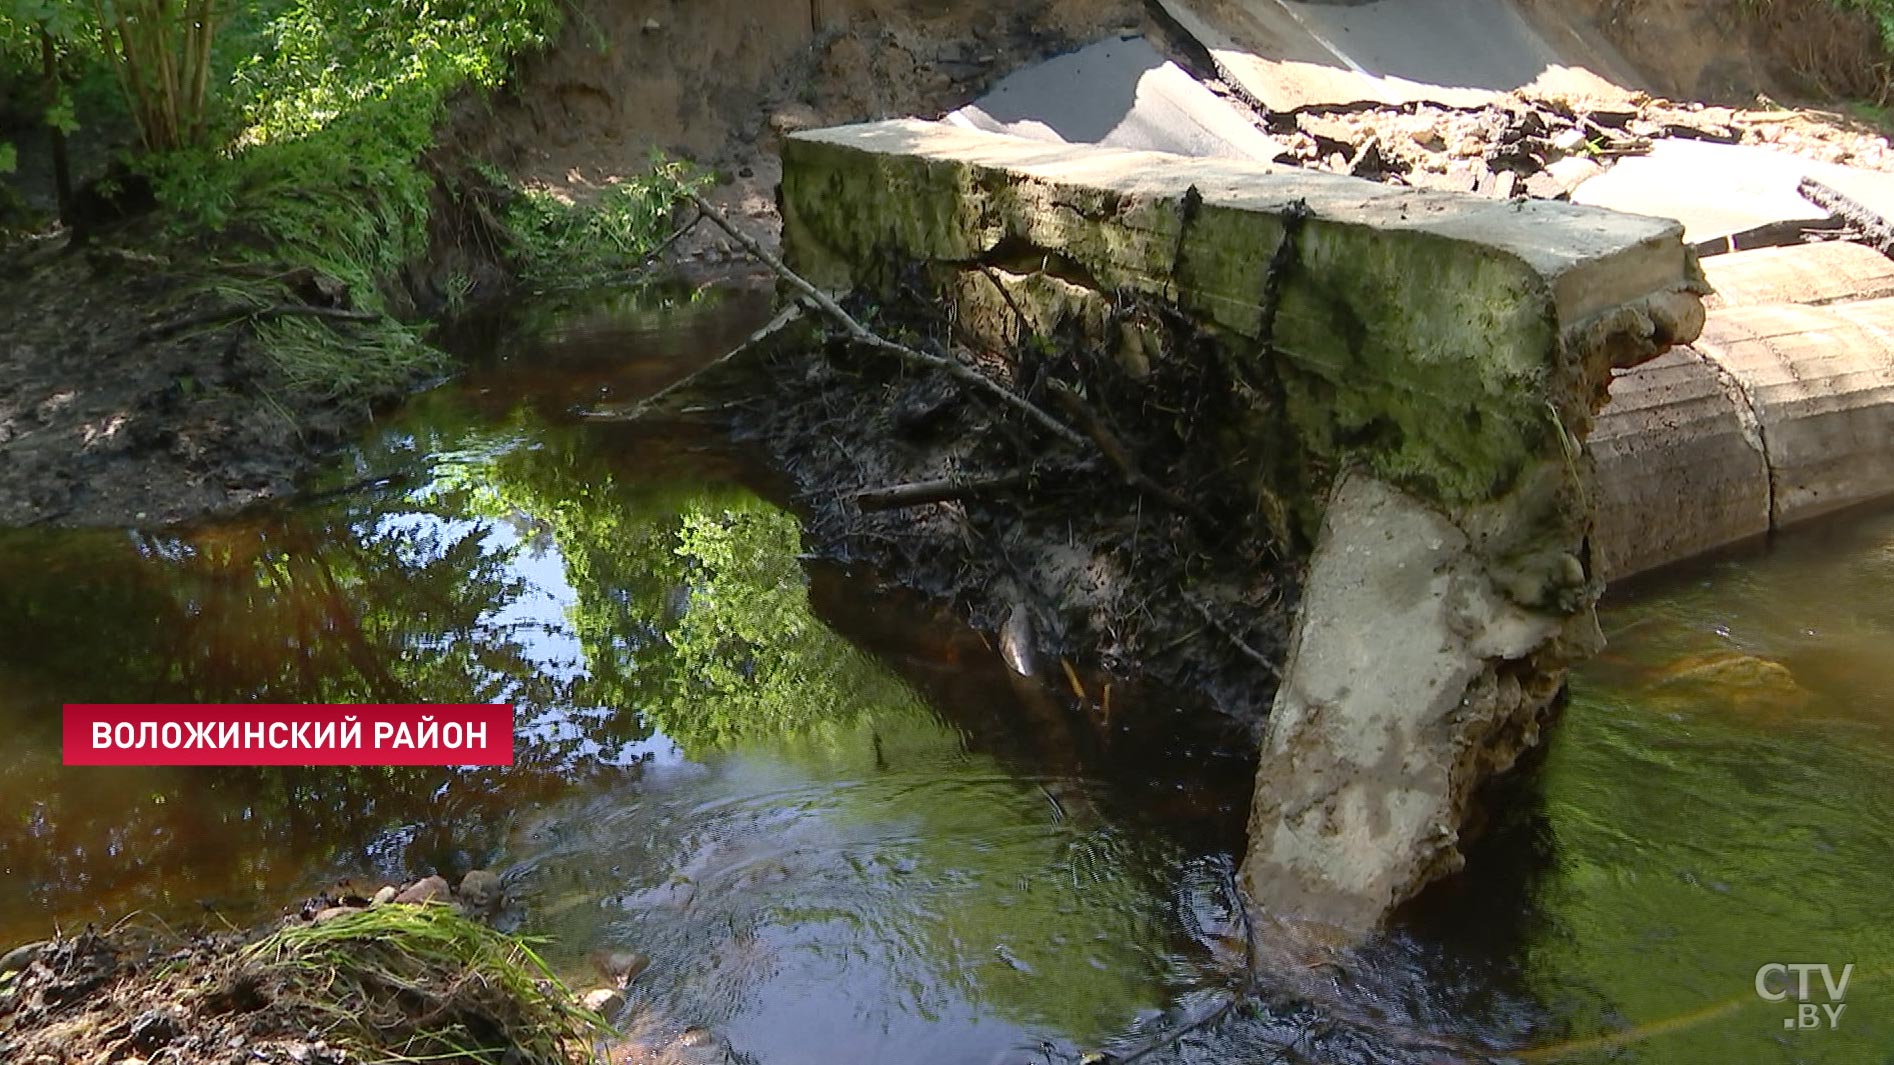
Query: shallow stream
(840, 828)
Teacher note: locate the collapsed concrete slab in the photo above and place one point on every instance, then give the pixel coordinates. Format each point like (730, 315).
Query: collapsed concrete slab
(1734, 196)
(1413, 676)
(1438, 357)
(1274, 60)
(1286, 55)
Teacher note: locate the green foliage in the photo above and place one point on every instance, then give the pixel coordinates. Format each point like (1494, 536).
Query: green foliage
(160, 51)
(328, 58)
(557, 242)
(9, 159)
(328, 112)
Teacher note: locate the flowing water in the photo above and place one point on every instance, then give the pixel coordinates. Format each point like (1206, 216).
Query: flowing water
(840, 828)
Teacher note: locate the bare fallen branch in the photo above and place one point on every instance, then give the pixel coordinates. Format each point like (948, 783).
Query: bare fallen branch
(1118, 455)
(1235, 641)
(918, 493)
(227, 314)
(661, 399)
(862, 335)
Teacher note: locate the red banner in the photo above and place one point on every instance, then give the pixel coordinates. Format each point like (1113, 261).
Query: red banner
(288, 734)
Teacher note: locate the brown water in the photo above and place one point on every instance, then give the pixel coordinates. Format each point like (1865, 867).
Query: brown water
(838, 825)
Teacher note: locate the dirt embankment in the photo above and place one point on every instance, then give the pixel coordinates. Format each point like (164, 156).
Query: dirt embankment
(351, 975)
(1729, 51)
(720, 82)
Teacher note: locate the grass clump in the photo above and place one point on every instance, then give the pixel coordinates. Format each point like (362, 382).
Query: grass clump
(559, 244)
(421, 983)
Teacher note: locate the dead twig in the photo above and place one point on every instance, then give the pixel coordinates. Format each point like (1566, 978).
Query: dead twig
(669, 242)
(1117, 454)
(919, 493)
(228, 314)
(660, 399)
(863, 336)
(1235, 641)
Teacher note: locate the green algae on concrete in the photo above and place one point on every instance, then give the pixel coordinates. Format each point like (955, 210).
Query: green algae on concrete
(1419, 333)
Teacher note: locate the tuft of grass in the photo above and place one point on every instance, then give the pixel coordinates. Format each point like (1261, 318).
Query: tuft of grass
(422, 983)
(557, 244)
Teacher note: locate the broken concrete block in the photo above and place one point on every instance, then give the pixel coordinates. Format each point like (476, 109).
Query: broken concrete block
(1406, 687)
(1118, 92)
(1728, 195)
(1428, 320)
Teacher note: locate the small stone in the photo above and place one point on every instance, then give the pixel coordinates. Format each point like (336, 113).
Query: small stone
(621, 967)
(385, 896)
(481, 891)
(21, 956)
(652, 25)
(332, 912)
(604, 1001)
(426, 890)
(792, 117)
(155, 1028)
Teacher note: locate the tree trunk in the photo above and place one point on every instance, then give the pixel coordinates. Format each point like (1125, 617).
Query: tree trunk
(62, 167)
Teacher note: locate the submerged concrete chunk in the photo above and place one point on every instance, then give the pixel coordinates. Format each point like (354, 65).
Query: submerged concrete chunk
(1392, 710)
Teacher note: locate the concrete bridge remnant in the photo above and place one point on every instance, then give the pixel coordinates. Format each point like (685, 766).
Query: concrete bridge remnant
(1418, 372)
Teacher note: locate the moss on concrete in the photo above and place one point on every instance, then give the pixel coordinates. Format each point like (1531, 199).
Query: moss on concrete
(1427, 350)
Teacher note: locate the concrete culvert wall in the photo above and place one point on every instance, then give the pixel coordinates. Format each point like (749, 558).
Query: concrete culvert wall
(1779, 413)
(1410, 375)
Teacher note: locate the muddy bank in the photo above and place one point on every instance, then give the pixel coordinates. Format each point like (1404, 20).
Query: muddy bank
(113, 411)
(421, 971)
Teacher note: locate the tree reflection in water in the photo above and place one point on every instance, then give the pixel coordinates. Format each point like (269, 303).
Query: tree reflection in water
(628, 616)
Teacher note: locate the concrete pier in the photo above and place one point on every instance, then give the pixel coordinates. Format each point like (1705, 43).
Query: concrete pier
(1419, 370)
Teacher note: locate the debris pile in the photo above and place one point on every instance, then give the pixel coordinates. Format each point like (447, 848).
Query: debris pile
(1544, 140)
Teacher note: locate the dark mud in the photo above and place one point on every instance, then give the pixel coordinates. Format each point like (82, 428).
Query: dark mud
(105, 421)
(1140, 557)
